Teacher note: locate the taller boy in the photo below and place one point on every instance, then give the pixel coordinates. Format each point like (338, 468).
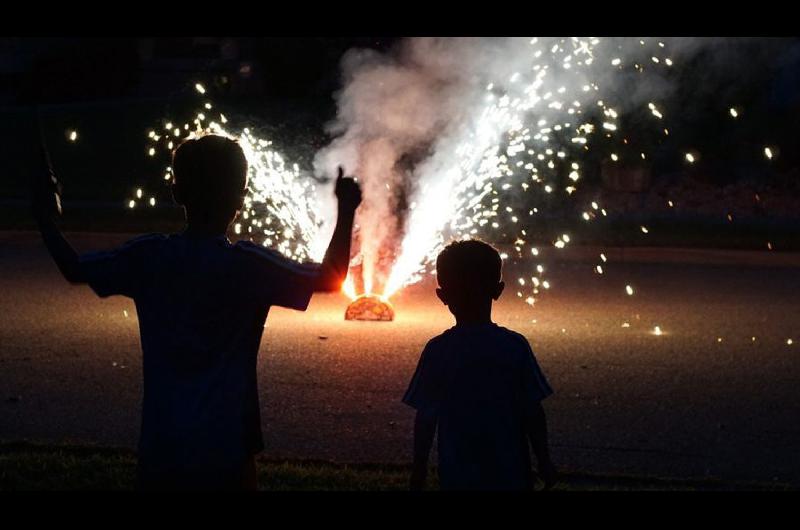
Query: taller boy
(202, 303)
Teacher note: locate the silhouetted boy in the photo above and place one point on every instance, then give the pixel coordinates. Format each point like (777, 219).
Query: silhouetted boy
(479, 385)
(202, 303)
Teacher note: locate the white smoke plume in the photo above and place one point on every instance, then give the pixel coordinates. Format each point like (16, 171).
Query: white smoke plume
(398, 116)
(426, 126)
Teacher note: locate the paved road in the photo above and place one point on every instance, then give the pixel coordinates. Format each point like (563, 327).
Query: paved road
(682, 404)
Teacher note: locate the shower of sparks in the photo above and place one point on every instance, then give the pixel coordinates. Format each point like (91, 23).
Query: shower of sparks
(280, 210)
(545, 130)
(528, 138)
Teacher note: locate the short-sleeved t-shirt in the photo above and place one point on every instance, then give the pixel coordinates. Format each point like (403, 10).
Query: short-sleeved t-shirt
(202, 304)
(478, 381)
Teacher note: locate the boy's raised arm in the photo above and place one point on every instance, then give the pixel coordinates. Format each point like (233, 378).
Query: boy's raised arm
(46, 206)
(333, 270)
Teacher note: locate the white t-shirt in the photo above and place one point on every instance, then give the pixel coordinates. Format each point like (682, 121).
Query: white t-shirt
(202, 304)
(478, 381)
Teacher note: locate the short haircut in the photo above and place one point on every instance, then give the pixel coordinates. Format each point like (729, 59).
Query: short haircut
(469, 262)
(210, 168)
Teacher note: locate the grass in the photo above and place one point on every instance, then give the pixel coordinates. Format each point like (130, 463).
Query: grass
(33, 467)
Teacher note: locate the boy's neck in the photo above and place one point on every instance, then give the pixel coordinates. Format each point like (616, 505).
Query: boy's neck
(479, 316)
(200, 230)
(205, 226)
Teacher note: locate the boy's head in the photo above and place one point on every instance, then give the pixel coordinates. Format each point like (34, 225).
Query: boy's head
(469, 274)
(210, 176)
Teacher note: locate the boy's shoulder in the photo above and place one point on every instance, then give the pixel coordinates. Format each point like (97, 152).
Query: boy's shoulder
(515, 337)
(146, 238)
(270, 255)
(437, 341)
(143, 242)
(494, 332)
(249, 248)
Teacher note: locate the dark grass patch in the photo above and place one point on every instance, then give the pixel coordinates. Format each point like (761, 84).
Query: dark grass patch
(32, 467)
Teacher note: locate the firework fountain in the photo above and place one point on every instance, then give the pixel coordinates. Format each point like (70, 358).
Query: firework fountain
(443, 133)
(450, 138)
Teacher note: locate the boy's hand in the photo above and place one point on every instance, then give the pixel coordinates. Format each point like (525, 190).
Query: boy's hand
(46, 190)
(347, 191)
(418, 479)
(549, 475)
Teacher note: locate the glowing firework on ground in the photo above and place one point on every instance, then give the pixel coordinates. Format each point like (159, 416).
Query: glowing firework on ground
(369, 307)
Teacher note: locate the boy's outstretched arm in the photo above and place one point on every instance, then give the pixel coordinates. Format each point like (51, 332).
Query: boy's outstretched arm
(424, 430)
(46, 206)
(537, 434)
(333, 270)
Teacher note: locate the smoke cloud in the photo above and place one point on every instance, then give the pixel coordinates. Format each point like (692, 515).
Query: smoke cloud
(421, 126)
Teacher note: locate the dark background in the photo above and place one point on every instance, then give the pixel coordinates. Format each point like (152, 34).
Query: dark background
(113, 90)
(297, 77)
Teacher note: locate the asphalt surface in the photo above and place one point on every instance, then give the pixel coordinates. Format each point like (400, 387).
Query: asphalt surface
(684, 404)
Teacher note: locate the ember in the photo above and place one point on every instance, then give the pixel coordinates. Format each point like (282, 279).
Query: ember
(369, 307)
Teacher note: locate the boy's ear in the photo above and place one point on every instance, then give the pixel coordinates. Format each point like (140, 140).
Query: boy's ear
(498, 290)
(442, 295)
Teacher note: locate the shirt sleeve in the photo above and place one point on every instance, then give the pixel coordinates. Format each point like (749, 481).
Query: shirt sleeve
(119, 271)
(534, 386)
(424, 392)
(280, 280)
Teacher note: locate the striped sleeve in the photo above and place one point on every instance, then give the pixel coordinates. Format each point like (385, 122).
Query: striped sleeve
(534, 386)
(120, 271)
(279, 280)
(424, 392)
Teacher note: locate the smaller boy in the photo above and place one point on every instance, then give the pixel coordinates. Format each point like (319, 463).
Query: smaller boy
(479, 384)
